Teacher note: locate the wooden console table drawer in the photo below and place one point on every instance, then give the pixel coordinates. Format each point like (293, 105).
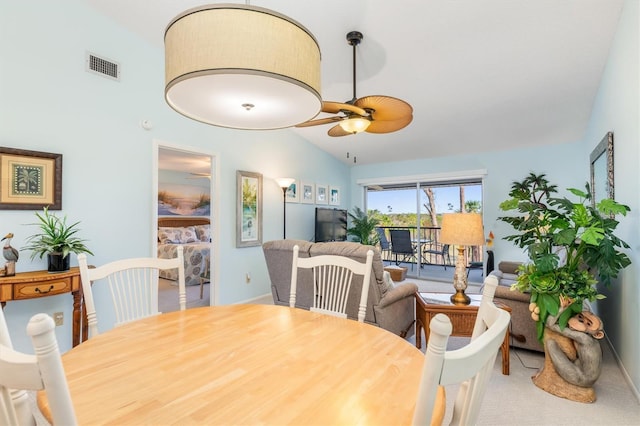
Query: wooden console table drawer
(47, 288)
(36, 284)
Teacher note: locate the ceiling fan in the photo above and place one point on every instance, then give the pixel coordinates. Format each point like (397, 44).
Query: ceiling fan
(373, 114)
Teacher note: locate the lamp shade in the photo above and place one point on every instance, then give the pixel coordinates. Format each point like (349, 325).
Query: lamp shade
(463, 229)
(285, 182)
(355, 125)
(242, 67)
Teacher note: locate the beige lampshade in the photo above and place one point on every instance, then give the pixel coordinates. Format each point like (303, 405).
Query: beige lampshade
(355, 125)
(285, 182)
(242, 67)
(463, 229)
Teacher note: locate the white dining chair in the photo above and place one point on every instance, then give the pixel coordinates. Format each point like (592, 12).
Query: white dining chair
(470, 366)
(42, 371)
(332, 277)
(133, 284)
(19, 397)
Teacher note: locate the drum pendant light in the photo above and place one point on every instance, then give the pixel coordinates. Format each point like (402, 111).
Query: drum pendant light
(242, 67)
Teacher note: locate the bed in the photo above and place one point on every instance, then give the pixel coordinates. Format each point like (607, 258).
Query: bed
(192, 233)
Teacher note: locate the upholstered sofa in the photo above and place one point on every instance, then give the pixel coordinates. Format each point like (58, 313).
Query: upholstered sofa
(523, 328)
(389, 306)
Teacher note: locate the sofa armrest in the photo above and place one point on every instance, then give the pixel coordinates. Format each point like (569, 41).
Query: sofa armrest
(399, 292)
(509, 267)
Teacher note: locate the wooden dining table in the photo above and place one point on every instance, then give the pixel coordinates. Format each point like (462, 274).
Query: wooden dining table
(243, 364)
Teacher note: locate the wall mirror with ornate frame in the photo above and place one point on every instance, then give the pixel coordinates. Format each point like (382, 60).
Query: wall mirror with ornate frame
(602, 170)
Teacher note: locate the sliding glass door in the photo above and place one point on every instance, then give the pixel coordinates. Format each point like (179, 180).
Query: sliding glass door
(415, 209)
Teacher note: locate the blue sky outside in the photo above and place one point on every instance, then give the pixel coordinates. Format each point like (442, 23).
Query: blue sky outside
(404, 200)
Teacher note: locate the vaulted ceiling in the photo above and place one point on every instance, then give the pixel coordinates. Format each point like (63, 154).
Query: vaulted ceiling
(481, 75)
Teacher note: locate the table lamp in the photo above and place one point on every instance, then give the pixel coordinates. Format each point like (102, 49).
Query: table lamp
(461, 229)
(284, 183)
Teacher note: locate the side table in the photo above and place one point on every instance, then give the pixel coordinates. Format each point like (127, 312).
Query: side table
(463, 318)
(35, 284)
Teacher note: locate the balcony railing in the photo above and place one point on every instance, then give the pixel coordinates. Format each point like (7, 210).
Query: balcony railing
(426, 242)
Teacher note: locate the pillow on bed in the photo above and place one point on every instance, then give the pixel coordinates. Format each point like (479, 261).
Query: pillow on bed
(188, 235)
(169, 235)
(203, 232)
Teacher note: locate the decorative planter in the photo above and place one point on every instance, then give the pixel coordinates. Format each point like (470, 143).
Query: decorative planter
(548, 378)
(57, 263)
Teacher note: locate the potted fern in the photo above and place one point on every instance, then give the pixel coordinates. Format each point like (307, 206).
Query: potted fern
(56, 239)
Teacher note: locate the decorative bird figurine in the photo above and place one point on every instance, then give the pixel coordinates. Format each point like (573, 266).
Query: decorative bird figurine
(10, 254)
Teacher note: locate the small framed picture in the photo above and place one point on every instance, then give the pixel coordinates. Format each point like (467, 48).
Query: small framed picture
(293, 192)
(334, 196)
(249, 209)
(322, 194)
(307, 193)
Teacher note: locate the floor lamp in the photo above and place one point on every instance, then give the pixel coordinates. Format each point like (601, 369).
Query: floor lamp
(284, 183)
(461, 229)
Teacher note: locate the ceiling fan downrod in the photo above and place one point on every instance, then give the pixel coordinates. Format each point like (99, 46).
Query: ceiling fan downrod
(354, 38)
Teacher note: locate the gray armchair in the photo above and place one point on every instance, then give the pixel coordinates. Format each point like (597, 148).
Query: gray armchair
(388, 307)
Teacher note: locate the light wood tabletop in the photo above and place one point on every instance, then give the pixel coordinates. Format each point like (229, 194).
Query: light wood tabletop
(244, 364)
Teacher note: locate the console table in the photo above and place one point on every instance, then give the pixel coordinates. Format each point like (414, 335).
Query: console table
(35, 284)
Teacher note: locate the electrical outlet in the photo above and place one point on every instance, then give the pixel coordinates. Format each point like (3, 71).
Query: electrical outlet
(58, 318)
(247, 278)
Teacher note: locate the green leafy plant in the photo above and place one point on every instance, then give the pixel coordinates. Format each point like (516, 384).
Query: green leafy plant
(363, 227)
(569, 245)
(55, 236)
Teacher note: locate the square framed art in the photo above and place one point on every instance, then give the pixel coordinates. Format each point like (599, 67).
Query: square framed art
(307, 193)
(322, 194)
(30, 180)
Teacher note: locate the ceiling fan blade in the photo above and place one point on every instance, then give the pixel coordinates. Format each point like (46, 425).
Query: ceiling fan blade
(385, 108)
(338, 131)
(319, 121)
(388, 126)
(336, 107)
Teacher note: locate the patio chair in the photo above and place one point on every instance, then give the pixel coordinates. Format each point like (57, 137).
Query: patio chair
(401, 244)
(443, 252)
(385, 245)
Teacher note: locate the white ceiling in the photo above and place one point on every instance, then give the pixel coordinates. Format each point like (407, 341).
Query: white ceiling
(481, 75)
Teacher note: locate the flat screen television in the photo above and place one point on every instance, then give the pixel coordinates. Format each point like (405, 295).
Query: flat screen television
(331, 224)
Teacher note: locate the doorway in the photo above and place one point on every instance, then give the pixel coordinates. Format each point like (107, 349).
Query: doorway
(184, 194)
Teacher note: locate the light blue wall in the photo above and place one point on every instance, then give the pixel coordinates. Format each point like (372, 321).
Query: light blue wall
(49, 103)
(616, 109)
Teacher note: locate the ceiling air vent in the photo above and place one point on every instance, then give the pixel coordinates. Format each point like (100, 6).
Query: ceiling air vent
(102, 66)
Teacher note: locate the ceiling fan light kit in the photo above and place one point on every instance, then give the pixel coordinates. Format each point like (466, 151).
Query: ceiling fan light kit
(242, 67)
(372, 114)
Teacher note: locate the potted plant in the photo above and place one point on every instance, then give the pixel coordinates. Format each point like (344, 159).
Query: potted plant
(363, 227)
(56, 239)
(569, 245)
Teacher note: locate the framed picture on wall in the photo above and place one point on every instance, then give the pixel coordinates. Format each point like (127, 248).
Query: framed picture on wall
(293, 192)
(30, 180)
(307, 193)
(322, 194)
(248, 209)
(334, 196)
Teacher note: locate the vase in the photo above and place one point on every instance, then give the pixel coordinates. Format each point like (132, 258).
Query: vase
(548, 378)
(57, 262)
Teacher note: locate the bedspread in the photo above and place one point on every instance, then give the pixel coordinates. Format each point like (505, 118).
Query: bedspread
(196, 256)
